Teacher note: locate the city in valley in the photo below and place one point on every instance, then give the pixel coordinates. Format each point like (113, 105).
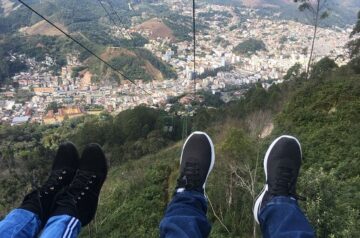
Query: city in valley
(287, 42)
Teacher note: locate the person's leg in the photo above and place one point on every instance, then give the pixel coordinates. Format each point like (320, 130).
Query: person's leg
(282, 217)
(77, 205)
(276, 209)
(62, 226)
(28, 219)
(20, 223)
(186, 214)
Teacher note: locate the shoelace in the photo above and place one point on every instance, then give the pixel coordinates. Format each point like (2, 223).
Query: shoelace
(189, 177)
(54, 181)
(51, 186)
(284, 182)
(82, 184)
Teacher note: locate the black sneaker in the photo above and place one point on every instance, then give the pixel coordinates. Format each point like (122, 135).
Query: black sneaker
(281, 164)
(196, 162)
(65, 164)
(80, 200)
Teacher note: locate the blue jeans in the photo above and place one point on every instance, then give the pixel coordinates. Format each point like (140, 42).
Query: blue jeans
(282, 217)
(186, 217)
(24, 224)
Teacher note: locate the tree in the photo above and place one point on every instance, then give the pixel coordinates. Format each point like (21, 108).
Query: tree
(294, 72)
(354, 46)
(322, 68)
(243, 168)
(249, 47)
(318, 11)
(54, 106)
(326, 204)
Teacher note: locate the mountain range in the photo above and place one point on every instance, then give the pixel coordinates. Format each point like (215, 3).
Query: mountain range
(342, 12)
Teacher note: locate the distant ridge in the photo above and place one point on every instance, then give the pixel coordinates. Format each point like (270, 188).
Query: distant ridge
(341, 12)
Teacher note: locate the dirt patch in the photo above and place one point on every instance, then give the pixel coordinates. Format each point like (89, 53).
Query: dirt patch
(113, 52)
(40, 45)
(85, 78)
(7, 5)
(44, 28)
(267, 130)
(157, 75)
(156, 28)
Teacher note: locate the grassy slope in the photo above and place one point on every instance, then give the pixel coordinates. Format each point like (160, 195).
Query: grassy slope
(135, 195)
(323, 114)
(43, 28)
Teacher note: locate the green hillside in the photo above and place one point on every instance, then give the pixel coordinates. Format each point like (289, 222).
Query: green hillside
(127, 59)
(323, 112)
(23, 32)
(135, 196)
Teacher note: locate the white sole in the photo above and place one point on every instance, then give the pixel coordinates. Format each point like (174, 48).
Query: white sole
(212, 153)
(260, 197)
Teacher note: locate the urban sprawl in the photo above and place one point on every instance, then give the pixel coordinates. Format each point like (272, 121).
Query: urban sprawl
(285, 42)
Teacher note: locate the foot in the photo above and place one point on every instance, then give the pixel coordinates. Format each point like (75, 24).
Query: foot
(80, 200)
(65, 164)
(281, 164)
(196, 162)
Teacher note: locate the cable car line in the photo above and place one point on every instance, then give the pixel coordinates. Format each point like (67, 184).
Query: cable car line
(83, 46)
(114, 11)
(194, 44)
(108, 13)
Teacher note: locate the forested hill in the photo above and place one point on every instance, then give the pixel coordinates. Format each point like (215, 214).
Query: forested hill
(323, 112)
(342, 12)
(23, 32)
(71, 14)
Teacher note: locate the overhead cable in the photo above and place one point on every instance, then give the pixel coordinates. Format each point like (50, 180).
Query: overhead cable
(114, 11)
(83, 46)
(194, 44)
(109, 15)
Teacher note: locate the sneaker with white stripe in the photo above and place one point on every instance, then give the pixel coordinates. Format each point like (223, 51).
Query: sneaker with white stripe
(281, 165)
(41, 200)
(196, 162)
